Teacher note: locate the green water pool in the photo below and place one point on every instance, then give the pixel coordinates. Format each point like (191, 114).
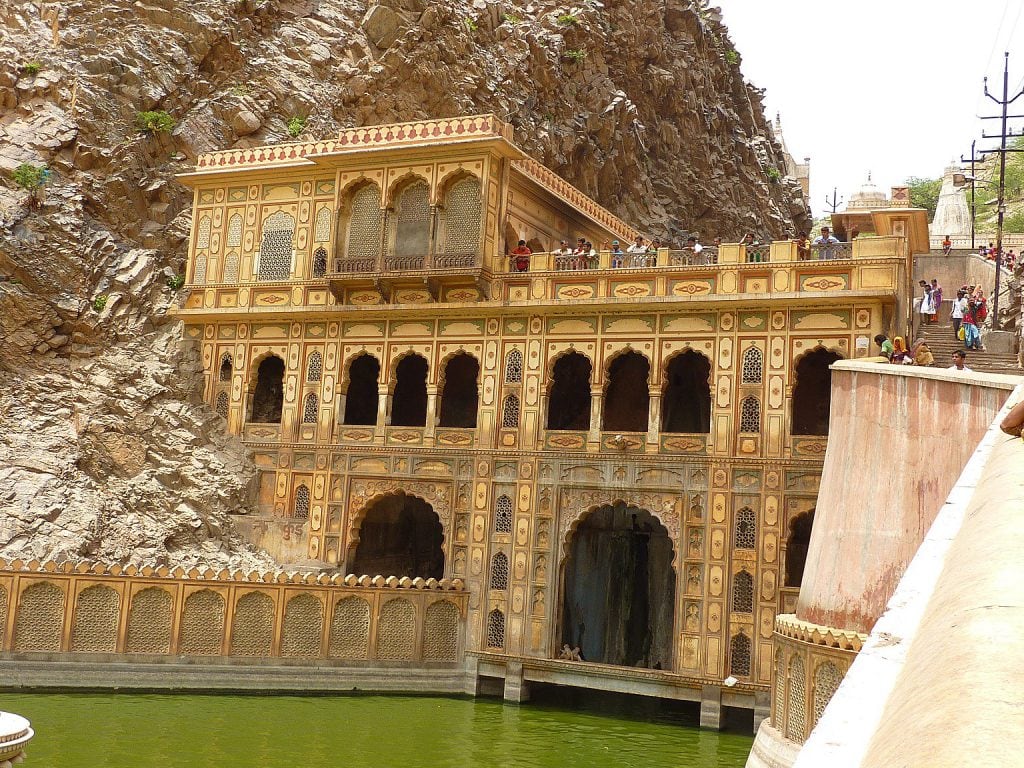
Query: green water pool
(362, 731)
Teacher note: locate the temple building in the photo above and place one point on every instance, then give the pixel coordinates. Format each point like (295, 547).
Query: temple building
(618, 454)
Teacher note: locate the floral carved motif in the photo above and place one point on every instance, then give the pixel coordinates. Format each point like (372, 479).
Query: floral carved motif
(365, 492)
(576, 503)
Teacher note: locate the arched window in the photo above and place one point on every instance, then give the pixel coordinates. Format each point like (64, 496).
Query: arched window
(203, 232)
(322, 230)
(739, 655)
(499, 571)
(496, 629)
(514, 367)
(510, 412)
(753, 366)
(319, 262)
(412, 220)
(315, 366)
(269, 394)
(796, 547)
(409, 401)
(745, 535)
(225, 367)
(275, 261)
(460, 218)
(362, 397)
(503, 515)
(812, 394)
(222, 404)
(310, 409)
(750, 415)
(627, 399)
(743, 592)
(234, 239)
(199, 272)
(686, 401)
(569, 398)
(827, 678)
(796, 723)
(459, 399)
(301, 506)
(231, 267)
(365, 227)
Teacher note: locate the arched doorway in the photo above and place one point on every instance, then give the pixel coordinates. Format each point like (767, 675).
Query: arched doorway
(796, 547)
(268, 396)
(459, 398)
(618, 589)
(686, 402)
(569, 397)
(361, 397)
(812, 395)
(627, 398)
(399, 535)
(409, 401)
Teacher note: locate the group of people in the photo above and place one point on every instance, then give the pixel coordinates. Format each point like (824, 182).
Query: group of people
(969, 311)
(930, 302)
(897, 352)
(640, 253)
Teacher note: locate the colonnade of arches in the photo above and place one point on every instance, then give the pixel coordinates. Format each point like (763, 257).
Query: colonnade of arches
(684, 396)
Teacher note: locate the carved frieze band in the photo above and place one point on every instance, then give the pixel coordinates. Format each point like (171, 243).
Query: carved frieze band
(788, 625)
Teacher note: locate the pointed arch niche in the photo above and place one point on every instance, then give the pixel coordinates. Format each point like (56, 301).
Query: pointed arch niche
(360, 230)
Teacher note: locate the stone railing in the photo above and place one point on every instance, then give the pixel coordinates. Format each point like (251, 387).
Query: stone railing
(390, 263)
(91, 608)
(446, 130)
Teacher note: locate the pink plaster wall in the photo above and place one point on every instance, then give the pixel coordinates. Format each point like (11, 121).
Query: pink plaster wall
(898, 440)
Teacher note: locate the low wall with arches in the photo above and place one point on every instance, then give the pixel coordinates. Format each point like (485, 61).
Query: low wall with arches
(94, 612)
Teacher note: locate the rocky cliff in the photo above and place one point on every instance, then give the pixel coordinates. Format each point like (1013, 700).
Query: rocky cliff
(105, 449)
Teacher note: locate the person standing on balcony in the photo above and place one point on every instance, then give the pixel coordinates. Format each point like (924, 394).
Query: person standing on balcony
(563, 256)
(825, 244)
(693, 249)
(617, 255)
(803, 247)
(637, 253)
(521, 257)
(591, 258)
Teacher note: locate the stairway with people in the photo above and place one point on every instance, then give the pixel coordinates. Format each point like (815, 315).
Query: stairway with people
(942, 342)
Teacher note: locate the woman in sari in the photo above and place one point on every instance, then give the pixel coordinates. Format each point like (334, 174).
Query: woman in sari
(899, 351)
(972, 336)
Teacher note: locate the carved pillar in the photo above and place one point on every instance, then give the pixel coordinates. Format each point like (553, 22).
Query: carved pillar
(596, 414)
(654, 421)
(431, 422)
(383, 412)
(432, 242)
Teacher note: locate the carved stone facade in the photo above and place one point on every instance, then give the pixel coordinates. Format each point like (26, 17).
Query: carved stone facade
(509, 486)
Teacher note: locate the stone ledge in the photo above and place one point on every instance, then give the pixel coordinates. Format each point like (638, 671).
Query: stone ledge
(788, 625)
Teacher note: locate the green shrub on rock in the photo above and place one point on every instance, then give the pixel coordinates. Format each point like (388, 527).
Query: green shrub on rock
(174, 282)
(31, 177)
(100, 302)
(295, 126)
(31, 68)
(154, 122)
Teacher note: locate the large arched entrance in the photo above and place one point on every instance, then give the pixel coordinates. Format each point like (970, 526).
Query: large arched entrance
(400, 535)
(812, 394)
(618, 589)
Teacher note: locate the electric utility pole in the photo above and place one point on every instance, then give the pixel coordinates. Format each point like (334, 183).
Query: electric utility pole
(974, 210)
(835, 201)
(1003, 134)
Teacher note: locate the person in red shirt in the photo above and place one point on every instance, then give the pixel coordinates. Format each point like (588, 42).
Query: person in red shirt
(521, 257)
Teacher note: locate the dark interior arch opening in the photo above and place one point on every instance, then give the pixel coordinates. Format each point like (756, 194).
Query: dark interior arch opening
(569, 400)
(459, 398)
(409, 401)
(619, 589)
(400, 536)
(686, 400)
(362, 397)
(627, 398)
(268, 396)
(796, 547)
(812, 395)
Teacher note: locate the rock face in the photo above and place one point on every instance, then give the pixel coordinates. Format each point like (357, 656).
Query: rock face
(105, 449)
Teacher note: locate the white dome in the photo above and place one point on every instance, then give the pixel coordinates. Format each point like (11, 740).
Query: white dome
(868, 196)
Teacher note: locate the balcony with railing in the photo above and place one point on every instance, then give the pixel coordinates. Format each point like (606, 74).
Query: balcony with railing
(347, 272)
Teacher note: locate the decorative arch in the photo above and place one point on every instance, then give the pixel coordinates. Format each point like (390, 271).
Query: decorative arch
(797, 542)
(97, 615)
(498, 578)
(359, 231)
(496, 629)
(503, 514)
(310, 408)
(40, 618)
(745, 529)
(267, 389)
(303, 626)
(379, 493)
(686, 392)
(514, 366)
(410, 223)
(203, 231)
(150, 615)
(224, 373)
(361, 387)
(314, 366)
(743, 592)
(461, 217)
(568, 387)
(626, 391)
(458, 384)
(752, 367)
(750, 415)
(409, 394)
(252, 626)
(812, 391)
(510, 408)
(276, 247)
(739, 655)
(577, 504)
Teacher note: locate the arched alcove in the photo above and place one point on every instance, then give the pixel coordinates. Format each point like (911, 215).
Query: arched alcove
(569, 398)
(460, 219)
(411, 220)
(362, 396)
(459, 398)
(409, 401)
(399, 535)
(626, 397)
(686, 398)
(268, 397)
(361, 228)
(276, 246)
(812, 394)
(618, 599)
(796, 547)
